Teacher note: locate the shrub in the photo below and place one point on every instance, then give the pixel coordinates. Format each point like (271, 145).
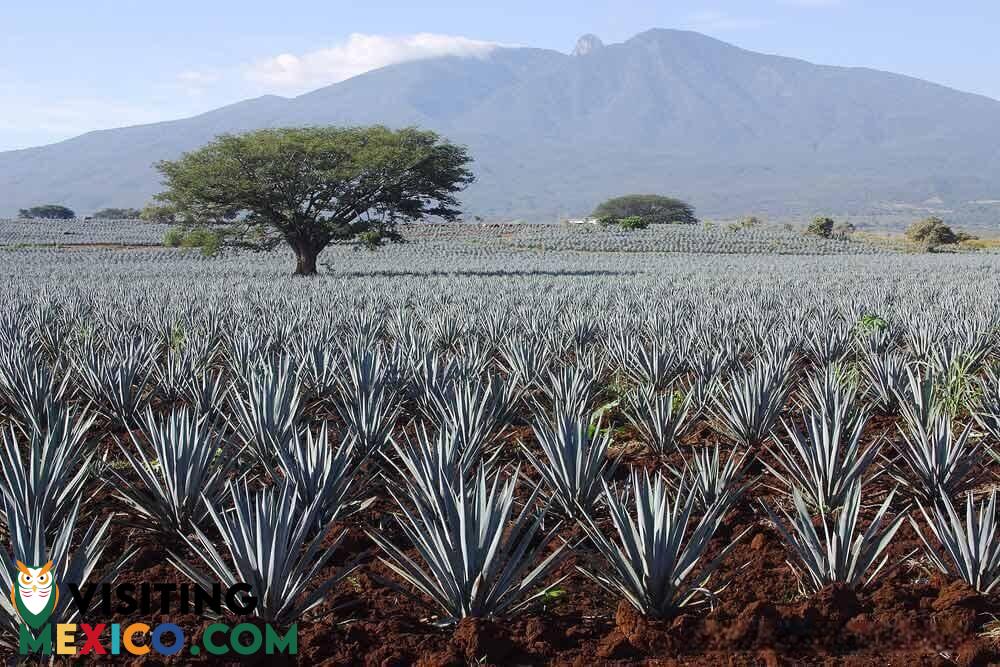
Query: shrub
(197, 237)
(117, 214)
(931, 233)
(821, 226)
(174, 237)
(207, 240)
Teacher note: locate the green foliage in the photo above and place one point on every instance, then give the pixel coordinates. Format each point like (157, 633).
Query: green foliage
(157, 213)
(633, 222)
(871, 323)
(117, 214)
(654, 209)
(174, 237)
(47, 212)
(209, 241)
(310, 187)
(821, 227)
(371, 239)
(931, 233)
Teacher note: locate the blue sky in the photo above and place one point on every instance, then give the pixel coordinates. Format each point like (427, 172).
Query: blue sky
(68, 66)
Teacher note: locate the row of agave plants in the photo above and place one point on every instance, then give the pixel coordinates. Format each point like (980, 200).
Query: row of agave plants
(246, 445)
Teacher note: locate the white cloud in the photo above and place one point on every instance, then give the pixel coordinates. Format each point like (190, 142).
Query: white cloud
(32, 116)
(358, 54)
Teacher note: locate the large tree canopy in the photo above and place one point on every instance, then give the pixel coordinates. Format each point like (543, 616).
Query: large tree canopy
(653, 209)
(310, 187)
(47, 212)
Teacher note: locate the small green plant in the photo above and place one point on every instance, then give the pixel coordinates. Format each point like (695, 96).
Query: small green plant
(371, 239)
(174, 237)
(871, 323)
(203, 238)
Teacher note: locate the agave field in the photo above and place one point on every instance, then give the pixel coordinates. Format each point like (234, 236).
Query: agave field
(466, 450)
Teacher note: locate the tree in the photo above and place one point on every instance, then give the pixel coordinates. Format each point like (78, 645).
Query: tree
(47, 212)
(821, 226)
(654, 209)
(931, 233)
(117, 214)
(310, 187)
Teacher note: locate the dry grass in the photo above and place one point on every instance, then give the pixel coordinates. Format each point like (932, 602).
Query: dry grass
(898, 241)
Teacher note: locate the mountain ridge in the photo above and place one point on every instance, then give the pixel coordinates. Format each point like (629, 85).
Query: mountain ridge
(732, 130)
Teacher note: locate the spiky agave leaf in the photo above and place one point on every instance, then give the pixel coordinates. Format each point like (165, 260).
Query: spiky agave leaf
(711, 480)
(660, 419)
(936, 462)
(267, 415)
(526, 359)
(826, 461)
(987, 413)
(50, 477)
(571, 389)
(323, 474)
(206, 393)
(272, 545)
(655, 562)
(117, 379)
(919, 401)
(574, 461)
(430, 466)
(367, 401)
(183, 472)
(29, 385)
(843, 553)
(885, 371)
(747, 408)
(477, 560)
(971, 550)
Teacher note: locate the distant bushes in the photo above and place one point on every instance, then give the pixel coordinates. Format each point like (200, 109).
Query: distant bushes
(203, 238)
(828, 228)
(932, 233)
(117, 214)
(47, 212)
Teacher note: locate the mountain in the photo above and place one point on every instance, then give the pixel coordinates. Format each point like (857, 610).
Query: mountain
(668, 111)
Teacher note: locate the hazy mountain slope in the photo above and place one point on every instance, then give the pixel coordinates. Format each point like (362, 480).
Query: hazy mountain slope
(552, 134)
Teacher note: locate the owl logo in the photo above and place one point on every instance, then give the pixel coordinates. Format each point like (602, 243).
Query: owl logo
(34, 594)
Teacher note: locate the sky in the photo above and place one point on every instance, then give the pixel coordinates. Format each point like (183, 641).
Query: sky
(67, 67)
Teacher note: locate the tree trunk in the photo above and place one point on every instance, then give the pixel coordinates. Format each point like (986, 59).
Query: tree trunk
(305, 260)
